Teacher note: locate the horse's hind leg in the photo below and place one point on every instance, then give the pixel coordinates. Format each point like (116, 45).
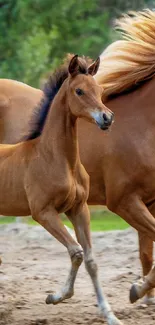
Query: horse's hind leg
(50, 220)
(146, 257)
(134, 211)
(140, 288)
(81, 223)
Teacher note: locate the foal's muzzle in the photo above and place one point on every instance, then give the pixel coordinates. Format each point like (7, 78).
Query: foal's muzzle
(107, 121)
(103, 120)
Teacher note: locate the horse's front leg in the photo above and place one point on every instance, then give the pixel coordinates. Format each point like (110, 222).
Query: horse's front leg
(51, 221)
(81, 223)
(146, 257)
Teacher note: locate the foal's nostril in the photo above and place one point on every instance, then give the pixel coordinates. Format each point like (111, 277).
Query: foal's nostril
(105, 117)
(107, 120)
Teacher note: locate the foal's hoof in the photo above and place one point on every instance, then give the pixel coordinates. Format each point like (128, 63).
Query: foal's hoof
(50, 300)
(113, 320)
(133, 294)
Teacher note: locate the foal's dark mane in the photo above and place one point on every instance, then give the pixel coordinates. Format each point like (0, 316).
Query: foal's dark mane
(51, 88)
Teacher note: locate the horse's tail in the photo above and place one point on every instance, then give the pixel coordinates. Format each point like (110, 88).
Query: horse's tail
(131, 60)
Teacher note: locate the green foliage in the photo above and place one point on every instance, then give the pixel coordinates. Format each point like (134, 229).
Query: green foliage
(35, 35)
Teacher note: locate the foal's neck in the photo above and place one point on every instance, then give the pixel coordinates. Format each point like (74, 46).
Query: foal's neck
(59, 137)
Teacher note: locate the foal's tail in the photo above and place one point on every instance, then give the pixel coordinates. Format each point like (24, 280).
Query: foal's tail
(131, 60)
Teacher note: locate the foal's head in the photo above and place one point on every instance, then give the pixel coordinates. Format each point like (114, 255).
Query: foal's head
(84, 94)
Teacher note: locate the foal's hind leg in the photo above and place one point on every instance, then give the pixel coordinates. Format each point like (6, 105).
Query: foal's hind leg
(50, 220)
(81, 223)
(146, 257)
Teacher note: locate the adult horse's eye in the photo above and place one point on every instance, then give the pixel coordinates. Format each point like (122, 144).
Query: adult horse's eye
(79, 92)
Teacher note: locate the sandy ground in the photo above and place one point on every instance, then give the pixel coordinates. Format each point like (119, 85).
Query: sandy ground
(35, 264)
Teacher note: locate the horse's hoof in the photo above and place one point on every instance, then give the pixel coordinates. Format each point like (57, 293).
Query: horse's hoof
(133, 294)
(0, 261)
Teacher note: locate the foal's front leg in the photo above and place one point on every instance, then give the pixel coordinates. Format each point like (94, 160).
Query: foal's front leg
(51, 221)
(81, 223)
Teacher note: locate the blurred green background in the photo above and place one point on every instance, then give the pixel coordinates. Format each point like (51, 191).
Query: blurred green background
(36, 34)
(101, 220)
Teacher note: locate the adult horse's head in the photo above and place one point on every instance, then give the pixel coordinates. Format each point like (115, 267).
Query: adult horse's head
(84, 94)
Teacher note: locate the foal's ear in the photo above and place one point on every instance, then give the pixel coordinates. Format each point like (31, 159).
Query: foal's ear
(74, 66)
(93, 68)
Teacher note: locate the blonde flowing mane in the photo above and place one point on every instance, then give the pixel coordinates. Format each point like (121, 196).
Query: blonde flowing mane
(128, 62)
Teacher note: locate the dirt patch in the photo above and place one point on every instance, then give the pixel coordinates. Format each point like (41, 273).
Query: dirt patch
(35, 264)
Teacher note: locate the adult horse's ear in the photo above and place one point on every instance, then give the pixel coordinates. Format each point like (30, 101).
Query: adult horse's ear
(93, 68)
(74, 66)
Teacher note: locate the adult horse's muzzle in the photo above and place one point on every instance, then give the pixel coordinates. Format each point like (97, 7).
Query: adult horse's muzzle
(103, 120)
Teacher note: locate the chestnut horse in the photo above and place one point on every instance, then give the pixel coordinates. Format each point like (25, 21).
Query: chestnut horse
(121, 164)
(43, 176)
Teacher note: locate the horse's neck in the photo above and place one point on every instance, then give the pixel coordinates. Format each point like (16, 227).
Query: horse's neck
(59, 138)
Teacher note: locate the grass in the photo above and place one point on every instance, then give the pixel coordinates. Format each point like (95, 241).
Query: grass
(4, 220)
(101, 220)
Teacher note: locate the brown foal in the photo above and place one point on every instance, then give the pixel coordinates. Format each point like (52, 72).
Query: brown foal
(43, 176)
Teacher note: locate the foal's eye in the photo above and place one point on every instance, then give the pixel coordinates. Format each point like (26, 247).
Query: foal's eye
(79, 92)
